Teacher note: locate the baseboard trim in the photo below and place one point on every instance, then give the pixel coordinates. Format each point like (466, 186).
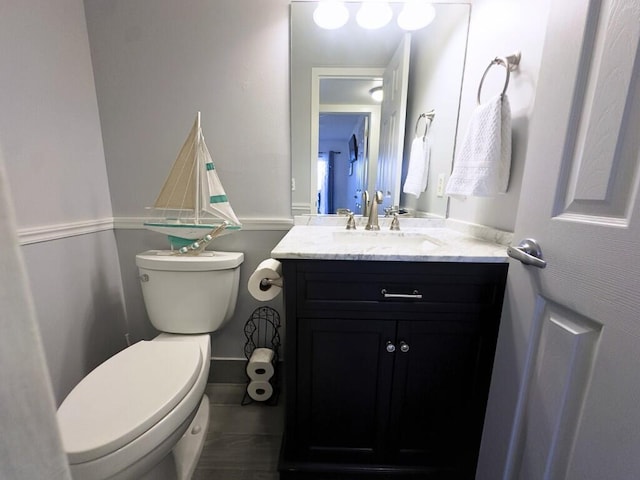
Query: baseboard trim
(227, 371)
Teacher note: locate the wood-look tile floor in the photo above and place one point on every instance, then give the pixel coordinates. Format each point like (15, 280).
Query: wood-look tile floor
(243, 442)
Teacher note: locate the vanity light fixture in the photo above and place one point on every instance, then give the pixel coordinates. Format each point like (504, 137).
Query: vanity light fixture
(374, 14)
(331, 14)
(376, 93)
(416, 14)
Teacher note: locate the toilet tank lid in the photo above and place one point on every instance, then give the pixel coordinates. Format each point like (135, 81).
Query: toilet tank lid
(167, 260)
(125, 396)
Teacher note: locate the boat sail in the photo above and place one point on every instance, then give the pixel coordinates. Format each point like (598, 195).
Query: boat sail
(192, 202)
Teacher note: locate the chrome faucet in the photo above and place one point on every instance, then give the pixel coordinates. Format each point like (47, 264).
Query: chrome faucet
(365, 203)
(372, 223)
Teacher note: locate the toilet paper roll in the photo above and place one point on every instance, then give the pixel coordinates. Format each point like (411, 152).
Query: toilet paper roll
(259, 390)
(270, 269)
(260, 366)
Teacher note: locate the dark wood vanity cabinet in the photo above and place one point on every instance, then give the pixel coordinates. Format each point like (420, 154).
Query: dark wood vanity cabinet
(387, 367)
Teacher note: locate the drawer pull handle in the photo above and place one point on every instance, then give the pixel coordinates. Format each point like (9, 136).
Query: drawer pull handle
(415, 294)
(404, 347)
(390, 347)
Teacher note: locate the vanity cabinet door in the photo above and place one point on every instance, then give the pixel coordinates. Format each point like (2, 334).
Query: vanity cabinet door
(440, 381)
(344, 376)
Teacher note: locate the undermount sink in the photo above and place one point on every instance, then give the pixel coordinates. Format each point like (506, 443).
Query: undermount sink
(386, 238)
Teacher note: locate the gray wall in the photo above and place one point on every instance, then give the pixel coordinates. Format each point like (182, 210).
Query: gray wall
(50, 135)
(79, 304)
(49, 122)
(157, 62)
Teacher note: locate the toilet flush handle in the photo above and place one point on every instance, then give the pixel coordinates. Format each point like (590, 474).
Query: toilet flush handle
(143, 278)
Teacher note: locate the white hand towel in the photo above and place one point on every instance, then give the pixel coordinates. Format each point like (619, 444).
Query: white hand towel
(483, 162)
(418, 171)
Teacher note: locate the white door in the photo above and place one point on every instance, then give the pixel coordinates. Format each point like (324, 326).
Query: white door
(392, 121)
(577, 412)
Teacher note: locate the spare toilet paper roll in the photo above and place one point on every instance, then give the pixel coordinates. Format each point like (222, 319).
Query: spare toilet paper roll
(259, 390)
(270, 269)
(260, 366)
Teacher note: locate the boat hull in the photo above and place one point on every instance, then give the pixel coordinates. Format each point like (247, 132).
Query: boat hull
(184, 234)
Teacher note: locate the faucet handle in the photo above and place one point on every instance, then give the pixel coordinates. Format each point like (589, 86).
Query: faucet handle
(388, 211)
(351, 222)
(395, 223)
(377, 197)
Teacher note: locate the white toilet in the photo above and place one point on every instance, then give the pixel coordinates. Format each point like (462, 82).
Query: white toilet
(143, 414)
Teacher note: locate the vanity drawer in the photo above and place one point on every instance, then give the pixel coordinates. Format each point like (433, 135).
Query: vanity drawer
(381, 287)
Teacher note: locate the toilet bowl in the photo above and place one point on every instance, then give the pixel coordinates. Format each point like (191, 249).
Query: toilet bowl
(143, 412)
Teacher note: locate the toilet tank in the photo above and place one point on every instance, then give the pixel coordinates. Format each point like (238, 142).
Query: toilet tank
(189, 294)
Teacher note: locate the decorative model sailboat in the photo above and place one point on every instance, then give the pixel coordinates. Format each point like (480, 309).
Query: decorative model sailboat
(192, 204)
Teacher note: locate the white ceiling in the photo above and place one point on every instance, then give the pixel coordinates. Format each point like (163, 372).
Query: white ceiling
(343, 91)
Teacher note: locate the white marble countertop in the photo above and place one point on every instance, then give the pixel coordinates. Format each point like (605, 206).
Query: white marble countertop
(410, 244)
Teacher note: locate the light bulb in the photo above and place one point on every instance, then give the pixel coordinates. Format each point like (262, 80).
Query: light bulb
(374, 14)
(376, 94)
(416, 14)
(331, 14)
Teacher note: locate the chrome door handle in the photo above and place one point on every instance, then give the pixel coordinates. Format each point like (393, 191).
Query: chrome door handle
(390, 347)
(404, 346)
(528, 252)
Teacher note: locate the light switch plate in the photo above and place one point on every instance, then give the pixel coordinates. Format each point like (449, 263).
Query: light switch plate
(440, 186)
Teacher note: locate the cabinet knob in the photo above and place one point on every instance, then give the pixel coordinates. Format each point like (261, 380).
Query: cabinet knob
(390, 347)
(404, 347)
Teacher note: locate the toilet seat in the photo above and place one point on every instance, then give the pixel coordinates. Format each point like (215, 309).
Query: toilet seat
(126, 396)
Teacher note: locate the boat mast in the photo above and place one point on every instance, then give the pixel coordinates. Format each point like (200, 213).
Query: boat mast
(196, 213)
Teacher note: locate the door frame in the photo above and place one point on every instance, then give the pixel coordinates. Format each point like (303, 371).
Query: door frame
(318, 73)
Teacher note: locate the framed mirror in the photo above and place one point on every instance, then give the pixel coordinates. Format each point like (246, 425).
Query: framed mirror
(351, 54)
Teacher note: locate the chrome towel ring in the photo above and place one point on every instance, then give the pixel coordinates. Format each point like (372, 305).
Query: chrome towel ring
(510, 63)
(429, 116)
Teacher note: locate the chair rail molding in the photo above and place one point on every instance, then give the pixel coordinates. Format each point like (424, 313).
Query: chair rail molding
(46, 233)
(248, 223)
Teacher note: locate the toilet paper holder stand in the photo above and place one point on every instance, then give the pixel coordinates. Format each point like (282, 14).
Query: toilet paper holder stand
(267, 283)
(262, 331)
